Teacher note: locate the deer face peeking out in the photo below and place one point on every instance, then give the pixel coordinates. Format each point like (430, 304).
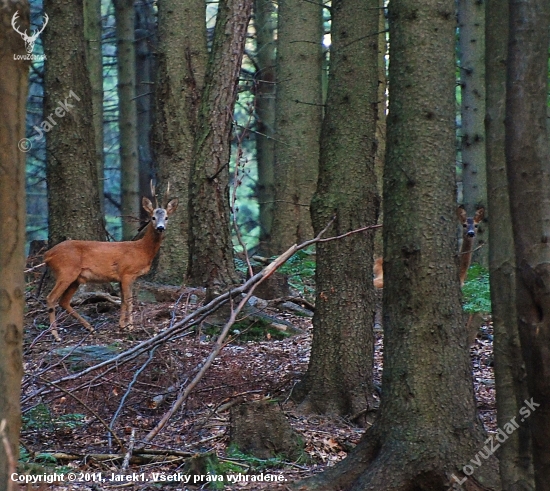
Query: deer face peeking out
(75, 262)
(469, 233)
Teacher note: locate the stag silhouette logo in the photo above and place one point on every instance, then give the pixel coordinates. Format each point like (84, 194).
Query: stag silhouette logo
(29, 40)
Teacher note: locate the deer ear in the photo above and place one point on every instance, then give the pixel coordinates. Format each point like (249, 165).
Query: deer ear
(461, 213)
(147, 205)
(480, 214)
(171, 206)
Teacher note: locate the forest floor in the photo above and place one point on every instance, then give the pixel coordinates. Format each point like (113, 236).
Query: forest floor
(65, 423)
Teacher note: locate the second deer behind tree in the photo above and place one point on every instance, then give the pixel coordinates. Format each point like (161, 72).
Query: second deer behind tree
(469, 233)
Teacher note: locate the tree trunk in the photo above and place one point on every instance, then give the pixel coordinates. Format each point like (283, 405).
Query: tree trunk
(73, 197)
(471, 22)
(511, 385)
(127, 116)
(298, 120)
(146, 71)
(13, 98)
(527, 157)
(182, 58)
(339, 376)
(94, 60)
(265, 23)
(427, 428)
(210, 247)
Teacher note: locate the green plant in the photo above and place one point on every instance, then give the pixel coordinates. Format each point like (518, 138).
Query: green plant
(300, 269)
(41, 418)
(476, 291)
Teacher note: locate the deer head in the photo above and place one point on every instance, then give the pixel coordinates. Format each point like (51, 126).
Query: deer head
(469, 231)
(29, 40)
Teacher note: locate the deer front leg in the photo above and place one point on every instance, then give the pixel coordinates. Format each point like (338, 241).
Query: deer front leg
(126, 306)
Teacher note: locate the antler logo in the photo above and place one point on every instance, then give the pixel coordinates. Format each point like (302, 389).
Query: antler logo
(29, 40)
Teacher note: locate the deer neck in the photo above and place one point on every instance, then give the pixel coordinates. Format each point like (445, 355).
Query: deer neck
(152, 240)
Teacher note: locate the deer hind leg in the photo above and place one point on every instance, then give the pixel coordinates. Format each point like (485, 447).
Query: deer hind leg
(126, 319)
(51, 301)
(65, 302)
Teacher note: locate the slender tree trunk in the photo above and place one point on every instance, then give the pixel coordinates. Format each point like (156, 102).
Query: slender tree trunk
(146, 70)
(182, 59)
(210, 247)
(73, 197)
(127, 118)
(265, 22)
(528, 158)
(13, 97)
(94, 60)
(339, 376)
(511, 385)
(427, 428)
(381, 116)
(471, 22)
(298, 120)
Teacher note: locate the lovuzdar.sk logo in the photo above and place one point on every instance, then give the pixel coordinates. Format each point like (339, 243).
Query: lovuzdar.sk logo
(29, 40)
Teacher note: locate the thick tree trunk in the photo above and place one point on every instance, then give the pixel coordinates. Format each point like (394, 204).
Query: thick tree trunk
(94, 60)
(527, 157)
(471, 22)
(339, 377)
(210, 246)
(516, 469)
(73, 197)
(127, 116)
(181, 69)
(427, 430)
(298, 120)
(13, 98)
(265, 23)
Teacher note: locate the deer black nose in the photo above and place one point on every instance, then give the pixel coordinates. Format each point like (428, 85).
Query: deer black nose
(160, 228)
(471, 233)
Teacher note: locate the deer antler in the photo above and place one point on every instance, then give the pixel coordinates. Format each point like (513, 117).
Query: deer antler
(13, 19)
(167, 194)
(38, 32)
(153, 193)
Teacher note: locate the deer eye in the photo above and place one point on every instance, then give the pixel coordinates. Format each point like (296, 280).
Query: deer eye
(153, 218)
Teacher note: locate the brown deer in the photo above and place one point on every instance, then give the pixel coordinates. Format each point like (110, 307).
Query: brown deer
(75, 262)
(470, 229)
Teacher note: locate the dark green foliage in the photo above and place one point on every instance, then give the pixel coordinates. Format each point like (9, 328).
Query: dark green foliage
(477, 295)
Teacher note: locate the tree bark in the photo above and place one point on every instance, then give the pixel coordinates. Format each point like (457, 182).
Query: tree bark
(210, 246)
(265, 23)
(13, 98)
(471, 23)
(527, 158)
(127, 115)
(298, 120)
(94, 60)
(146, 72)
(515, 456)
(339, 376)
(427, 430)
(73, 197)
(182, 59)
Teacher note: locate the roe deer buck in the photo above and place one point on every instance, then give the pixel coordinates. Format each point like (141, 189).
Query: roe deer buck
(468, 236)
(75, 262)
(469, 226)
